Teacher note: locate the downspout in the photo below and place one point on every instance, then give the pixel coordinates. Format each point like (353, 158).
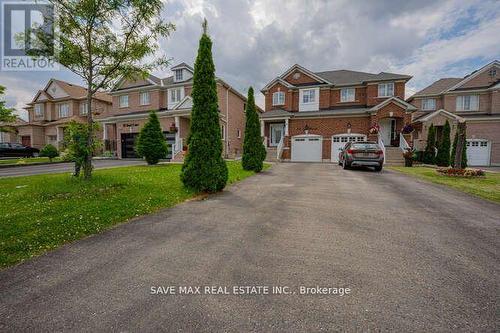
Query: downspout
(227, 122)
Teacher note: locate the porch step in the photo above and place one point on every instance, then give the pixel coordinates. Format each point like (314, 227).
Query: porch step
(271, 154)
(394, 156)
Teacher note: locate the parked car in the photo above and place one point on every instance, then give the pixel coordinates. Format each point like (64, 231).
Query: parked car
(363, 153)
(17, 150)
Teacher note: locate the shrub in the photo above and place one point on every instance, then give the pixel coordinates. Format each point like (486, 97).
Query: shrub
(49, 151)
(151, 143)
(461, 172)
(254, 151)
(443, 155)
(204, 169)
(430, 148)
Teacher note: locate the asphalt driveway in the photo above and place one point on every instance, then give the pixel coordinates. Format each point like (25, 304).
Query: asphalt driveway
(29, 170)
(416, 257)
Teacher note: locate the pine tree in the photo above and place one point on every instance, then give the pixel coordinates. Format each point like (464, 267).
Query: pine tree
(204, 169)
(151, 143)
(254, 151)
(429, 154)
(443, 155)
(454, 151)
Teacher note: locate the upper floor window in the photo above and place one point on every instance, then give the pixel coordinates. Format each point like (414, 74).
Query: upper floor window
(178, 75)
(175, 95)
(38, 110)
(279, 98)
(145, 98)
(84, 109)
(63, 110)
(123, 101)
(429, 104)
(309, 96)
(386, 89)
(347, 95)
(468, 103)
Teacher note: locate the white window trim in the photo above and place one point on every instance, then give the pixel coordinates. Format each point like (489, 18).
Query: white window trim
(308, 92)
(179, 96)
(385, 89)
(84, 109)
(427, 108)
(238, 133)
(279, 98)
(39, 110)
(342, 100)
(462, 104)
(223, 132)
(59, 109)
(144, 93)
(177, 71)
(122, 105)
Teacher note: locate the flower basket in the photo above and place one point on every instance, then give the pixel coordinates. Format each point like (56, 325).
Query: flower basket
(465, 173)
(374, 129)
(172, 128)
(407, 129)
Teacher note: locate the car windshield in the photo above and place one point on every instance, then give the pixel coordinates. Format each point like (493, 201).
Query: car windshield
(365, 146)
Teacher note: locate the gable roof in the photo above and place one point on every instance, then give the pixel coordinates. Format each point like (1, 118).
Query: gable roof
(437, 88)
(185, 103)
(474, 74)
(182, 65)
(74, 91)
(397, 100)
(431, 115)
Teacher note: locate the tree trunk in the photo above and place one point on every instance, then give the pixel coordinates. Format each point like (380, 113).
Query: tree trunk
(87, 164)
(460, 146)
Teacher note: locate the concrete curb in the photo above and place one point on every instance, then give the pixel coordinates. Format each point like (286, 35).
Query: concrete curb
(4, 166)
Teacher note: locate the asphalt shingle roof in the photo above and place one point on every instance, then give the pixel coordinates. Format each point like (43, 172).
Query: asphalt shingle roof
(438, 87)
(347, 77)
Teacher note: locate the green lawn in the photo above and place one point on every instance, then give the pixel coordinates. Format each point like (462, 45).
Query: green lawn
(39, 213)
(487, 187)
(30, 160)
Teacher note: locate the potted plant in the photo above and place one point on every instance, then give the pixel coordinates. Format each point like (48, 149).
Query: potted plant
(374, 129)
(173, 129)
(408, 156)
(407, 129)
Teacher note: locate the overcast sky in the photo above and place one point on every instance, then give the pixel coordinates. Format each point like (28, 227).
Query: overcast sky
(254, 41)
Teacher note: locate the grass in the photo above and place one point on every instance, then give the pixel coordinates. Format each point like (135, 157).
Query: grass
(487, 187)
(40, 213)
(15, 161)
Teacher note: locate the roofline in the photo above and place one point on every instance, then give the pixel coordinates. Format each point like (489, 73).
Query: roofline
(471, 76)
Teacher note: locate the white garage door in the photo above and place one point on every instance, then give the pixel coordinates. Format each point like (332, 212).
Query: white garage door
(307, 148)
(478, 152)
(339, 141)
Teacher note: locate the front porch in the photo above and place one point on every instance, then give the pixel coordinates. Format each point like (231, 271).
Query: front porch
(274, 133)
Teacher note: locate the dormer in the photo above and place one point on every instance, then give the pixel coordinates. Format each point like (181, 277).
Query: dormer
(182, 72)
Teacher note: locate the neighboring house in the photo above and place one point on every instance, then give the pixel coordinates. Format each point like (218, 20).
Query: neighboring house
(170, 98)
(309, 115)
(53, 108)
(8, 131)
(474, 99)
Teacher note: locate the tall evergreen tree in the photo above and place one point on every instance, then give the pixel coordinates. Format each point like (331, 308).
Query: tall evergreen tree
(429, 154)
(204, 168)
(254, 151)
(443, 155)
(6, 114)
(464, 151)
(151, 143)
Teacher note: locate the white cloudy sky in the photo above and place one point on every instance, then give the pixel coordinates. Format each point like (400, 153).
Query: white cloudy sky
(254, 41)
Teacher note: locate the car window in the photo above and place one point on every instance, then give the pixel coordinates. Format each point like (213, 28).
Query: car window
(365, 146)
(17, 146)
(4, 145)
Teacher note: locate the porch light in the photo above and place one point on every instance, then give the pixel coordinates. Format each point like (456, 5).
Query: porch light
(349, 127)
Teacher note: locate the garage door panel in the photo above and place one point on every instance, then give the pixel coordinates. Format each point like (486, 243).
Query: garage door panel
(478, 152)
(307, 149)
(340, 140)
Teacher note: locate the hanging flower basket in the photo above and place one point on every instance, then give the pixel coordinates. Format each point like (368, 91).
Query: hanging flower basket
(374, 129)
(173, 129)
(407, 129)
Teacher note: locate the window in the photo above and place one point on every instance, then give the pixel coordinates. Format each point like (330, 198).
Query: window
(347, 95)
(175, 95)
(63, 110)
(178, 75)
(238, 133)
(84, 109)
(279, 98)
(429, 104)
(144, 98)
(124, 101)
(468, 103)
(39, 110)
(52, 138)
(386, 89)
(223, 132)
(309, 96)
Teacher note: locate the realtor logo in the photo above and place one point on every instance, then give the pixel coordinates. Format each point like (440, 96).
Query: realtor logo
(19, 22)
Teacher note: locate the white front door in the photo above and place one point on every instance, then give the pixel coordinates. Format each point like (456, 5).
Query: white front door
(276, 132)
(307, 148)
(478, 152)
(340, 140)
(387, 128)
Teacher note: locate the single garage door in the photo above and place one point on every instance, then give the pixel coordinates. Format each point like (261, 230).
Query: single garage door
(307, 148)
(478, 152)
(340, 140)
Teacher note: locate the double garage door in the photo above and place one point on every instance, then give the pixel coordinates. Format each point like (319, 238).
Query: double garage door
(128, 142)
(478, 152)
(309, 147)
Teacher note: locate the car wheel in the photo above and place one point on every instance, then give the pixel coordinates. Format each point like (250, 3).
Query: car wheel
(36, 154)
(379, 168)
(345, 166)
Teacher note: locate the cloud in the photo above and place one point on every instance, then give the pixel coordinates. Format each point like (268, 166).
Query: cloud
(254, 41)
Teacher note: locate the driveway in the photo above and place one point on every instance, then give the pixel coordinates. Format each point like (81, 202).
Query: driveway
(416, 257)
(63, 167)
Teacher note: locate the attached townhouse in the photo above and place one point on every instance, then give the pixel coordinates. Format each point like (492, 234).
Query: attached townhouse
(170, 98)
(53, 108)
(309, 116)
(474, 99)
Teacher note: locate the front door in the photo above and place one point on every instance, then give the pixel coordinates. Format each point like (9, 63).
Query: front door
(387, 130)
(276, 133)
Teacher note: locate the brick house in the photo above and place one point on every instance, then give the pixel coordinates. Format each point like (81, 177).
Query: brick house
(53, 108)
(170, 98)
(309, 115)
(474, 99)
